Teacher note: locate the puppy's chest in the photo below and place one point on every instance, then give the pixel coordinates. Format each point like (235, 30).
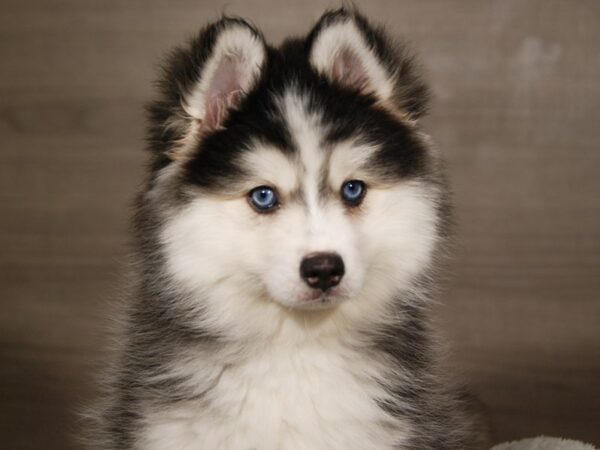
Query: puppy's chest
(290, 399)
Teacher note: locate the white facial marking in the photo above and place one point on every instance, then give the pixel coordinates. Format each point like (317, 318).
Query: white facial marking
(318, 226)
(347, 162)
(244, 264)
(273, 167)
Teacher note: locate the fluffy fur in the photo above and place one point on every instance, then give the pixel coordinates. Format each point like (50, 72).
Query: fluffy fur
(223, 344)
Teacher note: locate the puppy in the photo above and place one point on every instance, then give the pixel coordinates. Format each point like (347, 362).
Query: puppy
(286, 244)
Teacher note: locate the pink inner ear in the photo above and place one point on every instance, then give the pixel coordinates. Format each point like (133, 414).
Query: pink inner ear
(348, 69)
(225, 91)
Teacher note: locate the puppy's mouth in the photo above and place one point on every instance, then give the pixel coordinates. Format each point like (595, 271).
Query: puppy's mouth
(317, 299)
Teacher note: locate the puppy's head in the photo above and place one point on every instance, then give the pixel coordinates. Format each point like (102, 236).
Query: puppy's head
(293, 179)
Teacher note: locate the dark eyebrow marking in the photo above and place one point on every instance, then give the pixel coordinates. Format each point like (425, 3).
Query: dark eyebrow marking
(299, 196)
(324, 190)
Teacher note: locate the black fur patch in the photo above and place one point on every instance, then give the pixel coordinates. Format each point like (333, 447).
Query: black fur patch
(346, 112)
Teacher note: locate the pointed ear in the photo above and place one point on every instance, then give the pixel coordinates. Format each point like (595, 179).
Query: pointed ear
(232, 67)
(349, 52)
(203, 83)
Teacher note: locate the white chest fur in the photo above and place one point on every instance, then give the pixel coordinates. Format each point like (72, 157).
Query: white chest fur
(286, 398)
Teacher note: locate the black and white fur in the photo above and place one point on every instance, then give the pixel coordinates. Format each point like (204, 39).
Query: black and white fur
(223, 344)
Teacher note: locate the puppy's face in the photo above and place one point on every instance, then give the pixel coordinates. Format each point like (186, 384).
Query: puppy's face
(300, 183)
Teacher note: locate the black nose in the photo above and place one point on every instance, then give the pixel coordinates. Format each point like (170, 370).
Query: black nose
(322, 270)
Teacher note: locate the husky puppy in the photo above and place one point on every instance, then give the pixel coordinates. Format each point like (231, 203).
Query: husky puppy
(286, 241)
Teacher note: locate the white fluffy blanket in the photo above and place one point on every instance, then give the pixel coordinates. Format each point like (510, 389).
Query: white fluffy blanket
(544, 443)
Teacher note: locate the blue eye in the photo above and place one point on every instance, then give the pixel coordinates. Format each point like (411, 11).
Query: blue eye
(353, 192)
(263, 198)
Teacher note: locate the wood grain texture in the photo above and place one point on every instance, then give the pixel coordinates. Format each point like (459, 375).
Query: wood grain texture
(516, 111)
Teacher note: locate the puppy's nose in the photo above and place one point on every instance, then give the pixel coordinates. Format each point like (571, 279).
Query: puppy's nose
(322, 270)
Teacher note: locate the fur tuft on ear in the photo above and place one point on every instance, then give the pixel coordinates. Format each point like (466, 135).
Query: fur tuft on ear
(204, 82)
(348, 51)
(231, 70)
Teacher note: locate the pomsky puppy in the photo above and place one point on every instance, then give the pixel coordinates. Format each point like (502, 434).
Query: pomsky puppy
(286, 246)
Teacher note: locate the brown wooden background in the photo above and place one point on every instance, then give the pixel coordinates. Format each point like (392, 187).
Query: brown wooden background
(516, 111)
